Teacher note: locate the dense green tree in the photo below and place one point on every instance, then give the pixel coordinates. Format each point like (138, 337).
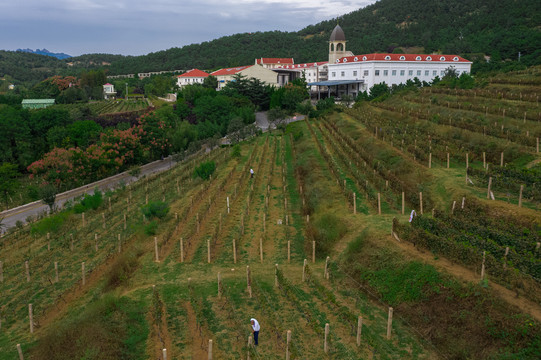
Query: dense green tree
(8, 180)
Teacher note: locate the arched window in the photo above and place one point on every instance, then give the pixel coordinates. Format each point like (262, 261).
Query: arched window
(402, 58)
(455, 58)
(442, 58)
(355, 58)
(428, 58)
(340, 47)
(364, 58)
(332, 47)
(387, 57)
(418, 58)
(345, 60)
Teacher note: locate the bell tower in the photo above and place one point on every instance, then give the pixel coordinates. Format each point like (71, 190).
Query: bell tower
(337, 45)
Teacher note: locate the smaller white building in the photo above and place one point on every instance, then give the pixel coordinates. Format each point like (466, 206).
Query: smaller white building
(272, 63)
(194, 76)
(108, 91)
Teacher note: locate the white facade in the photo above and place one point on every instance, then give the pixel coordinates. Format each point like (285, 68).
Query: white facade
(394, 69)
(194, 76)
(109, 91)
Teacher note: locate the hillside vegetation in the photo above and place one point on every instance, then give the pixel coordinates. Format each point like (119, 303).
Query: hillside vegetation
(190, 255)
(469, 28)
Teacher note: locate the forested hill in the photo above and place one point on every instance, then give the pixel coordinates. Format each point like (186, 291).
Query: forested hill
(500, 29)
(496, 28)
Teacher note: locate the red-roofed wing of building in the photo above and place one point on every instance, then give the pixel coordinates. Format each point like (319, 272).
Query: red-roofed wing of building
(194, 73)
(230, 71)
(402, 57)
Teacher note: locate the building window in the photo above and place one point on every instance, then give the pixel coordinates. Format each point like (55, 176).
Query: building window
(387, 57)
(402, 72)
(342, 73)
(442, 72)
(434, 73)
(365, 73)
(333, 74)
(385, 72)
(402, 58)
(410, 72)
(418, 72)
(427, 72)
(394, 72)
(377, 72)
(355, 73)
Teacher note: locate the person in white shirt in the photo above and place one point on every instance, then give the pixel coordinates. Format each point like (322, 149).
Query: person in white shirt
(255, 329)
(251, 172)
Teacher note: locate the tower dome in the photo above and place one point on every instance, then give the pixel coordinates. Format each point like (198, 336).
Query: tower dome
(337, 34)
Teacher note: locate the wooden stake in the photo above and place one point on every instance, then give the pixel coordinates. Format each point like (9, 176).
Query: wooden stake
(467, 161)
(124, 221)
(164, 353)
(489, 184)
(304, 271)
(248, 357)
(307, 219)
(27, 267)
(248, 281)
(219, 285)
(359, 329)
(31, 318)
(276, 275)
(326, 271)
(403, 202)
(389, 323)
(501, 160)
(421, 202)
(484, 160)
(210, 350)
(234, 252)
(96, 242)
(325, 344)
(208, 251)
(313, 252)
(264, 221)
(354, 203)
(289, 251)
(261, 249)
(288, 341)
(156, 248)
(83, 216)
(83, 272)
(379, 204)
(453, 208)
(56, 271)
(228, 204)
(181, 250)
(520, 196)
(20, 351)
(430, 160)
(483, 266)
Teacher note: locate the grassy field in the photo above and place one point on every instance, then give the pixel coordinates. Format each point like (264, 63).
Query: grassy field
(234, 247)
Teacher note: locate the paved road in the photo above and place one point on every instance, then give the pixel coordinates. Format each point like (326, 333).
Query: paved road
(21, 213)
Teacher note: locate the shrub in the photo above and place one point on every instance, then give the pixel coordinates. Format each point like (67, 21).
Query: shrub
(204, 170)
(49, 224)
(89, 202)
(155, 209)
(151, 228)
(121, 270)
(326, 230)
(235, 151)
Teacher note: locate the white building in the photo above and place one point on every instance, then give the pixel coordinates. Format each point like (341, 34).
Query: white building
(190, 77)
(393, 69)
(109, 91)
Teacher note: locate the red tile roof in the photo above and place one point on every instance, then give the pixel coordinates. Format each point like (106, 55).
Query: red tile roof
(194, 73)
(275, 61)
(303, 66)
(230, 71)
(402, 57)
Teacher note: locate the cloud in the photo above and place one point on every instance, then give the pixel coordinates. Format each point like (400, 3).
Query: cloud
(142, 26)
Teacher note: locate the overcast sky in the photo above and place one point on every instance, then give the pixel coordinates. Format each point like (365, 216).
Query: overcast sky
(136, 27)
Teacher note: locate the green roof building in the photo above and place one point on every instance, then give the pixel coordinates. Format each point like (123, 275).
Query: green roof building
(37, 103)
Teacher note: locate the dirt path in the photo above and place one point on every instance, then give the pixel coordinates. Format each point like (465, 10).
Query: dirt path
(198, 343)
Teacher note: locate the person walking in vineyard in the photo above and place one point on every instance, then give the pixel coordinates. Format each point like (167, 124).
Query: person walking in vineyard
(255, 330)
(251, 172)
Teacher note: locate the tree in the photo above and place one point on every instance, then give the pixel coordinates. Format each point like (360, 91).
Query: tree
(276, 117)
(210, 82)
(48, 195)
(234, 129)
(8, 180)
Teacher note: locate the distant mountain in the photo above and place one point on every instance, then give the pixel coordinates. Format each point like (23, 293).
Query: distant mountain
(46, 52)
